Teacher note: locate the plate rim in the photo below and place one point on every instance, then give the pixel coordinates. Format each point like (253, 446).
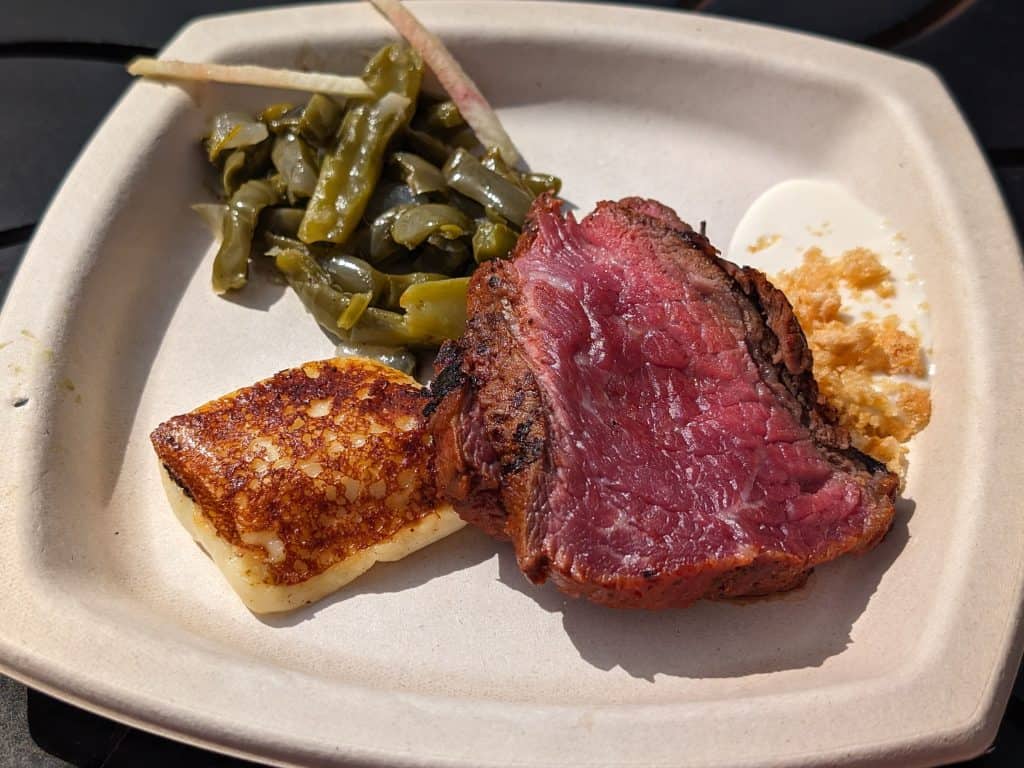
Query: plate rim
(912, 88)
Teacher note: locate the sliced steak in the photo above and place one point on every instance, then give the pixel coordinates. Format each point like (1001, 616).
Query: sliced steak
(639, 418)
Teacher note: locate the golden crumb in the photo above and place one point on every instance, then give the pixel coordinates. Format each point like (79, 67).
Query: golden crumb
(861, 270)
(872, 371)
(764, 241)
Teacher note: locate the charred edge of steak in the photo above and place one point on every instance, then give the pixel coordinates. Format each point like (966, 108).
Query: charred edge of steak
(527, 449)
(529, 436)
(449, 378)
(488, 424)
(788, 349)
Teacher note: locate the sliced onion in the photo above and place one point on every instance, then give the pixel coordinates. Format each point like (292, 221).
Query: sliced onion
(245, 74)
(462, 90)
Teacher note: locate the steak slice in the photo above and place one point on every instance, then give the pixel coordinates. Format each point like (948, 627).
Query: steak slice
(639, 418)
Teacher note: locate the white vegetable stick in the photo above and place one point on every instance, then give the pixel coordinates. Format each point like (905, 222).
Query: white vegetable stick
(463, 91)
(267, 77)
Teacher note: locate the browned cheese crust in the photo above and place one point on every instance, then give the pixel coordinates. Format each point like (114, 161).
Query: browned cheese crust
(327, 459)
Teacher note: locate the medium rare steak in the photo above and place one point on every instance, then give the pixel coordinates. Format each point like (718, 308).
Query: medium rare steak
(639, 418)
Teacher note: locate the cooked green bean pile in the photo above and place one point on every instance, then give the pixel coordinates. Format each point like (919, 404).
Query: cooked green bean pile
(375, 212)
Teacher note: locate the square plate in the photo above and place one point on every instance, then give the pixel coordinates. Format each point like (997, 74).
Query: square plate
(449, 657)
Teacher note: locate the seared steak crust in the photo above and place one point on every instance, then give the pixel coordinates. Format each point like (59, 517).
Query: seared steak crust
(645, 464)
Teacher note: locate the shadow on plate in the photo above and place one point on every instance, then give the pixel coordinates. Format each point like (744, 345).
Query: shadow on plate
(457, 552)
(264, 289)
(795, 630)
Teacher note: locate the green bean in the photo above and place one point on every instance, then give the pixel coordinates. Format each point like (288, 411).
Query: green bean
(357, 305)
(420, 176)
(539, 183)
(354, 275)
(493, 161)
(282, 221)
(231, 264)
(295, 160)
(388, 195)
(465, 174)
(231, 176)
(313, 286)
(397, 285)
(492, 240)
(416, 223)
(276, 231)
(322, 253)
(379, 262)
(449, 244)
(453, 256)
(436, 310)
(493, 215)
(318, 251)
(244, 164)
(329, 306)
(533, 183)
(394, 357)
(431, 317)
(429, 147)
(399, 263)
(465, 139)
(359, 243)
(280, 117)
(272, 242)
(442, 256)
(316, 121)
(442, 116)
(382, 244)
(231, 130)
(348, 176)
(381, 327)
(320, 119)
(430, 327)
(471, 208)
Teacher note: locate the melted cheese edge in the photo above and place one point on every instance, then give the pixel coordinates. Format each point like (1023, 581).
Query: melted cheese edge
(246, 572)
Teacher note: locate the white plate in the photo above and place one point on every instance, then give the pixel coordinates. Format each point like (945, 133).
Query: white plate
(449, 657)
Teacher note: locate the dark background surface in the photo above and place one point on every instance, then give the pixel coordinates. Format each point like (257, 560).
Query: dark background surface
(61, 69)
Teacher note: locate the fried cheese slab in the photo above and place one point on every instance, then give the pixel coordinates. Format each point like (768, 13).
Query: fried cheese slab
(301, 482)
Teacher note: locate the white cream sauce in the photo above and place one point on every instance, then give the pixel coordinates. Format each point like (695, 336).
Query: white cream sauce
(793, 216)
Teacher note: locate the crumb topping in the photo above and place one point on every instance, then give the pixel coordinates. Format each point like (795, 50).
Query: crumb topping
(871, 370)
